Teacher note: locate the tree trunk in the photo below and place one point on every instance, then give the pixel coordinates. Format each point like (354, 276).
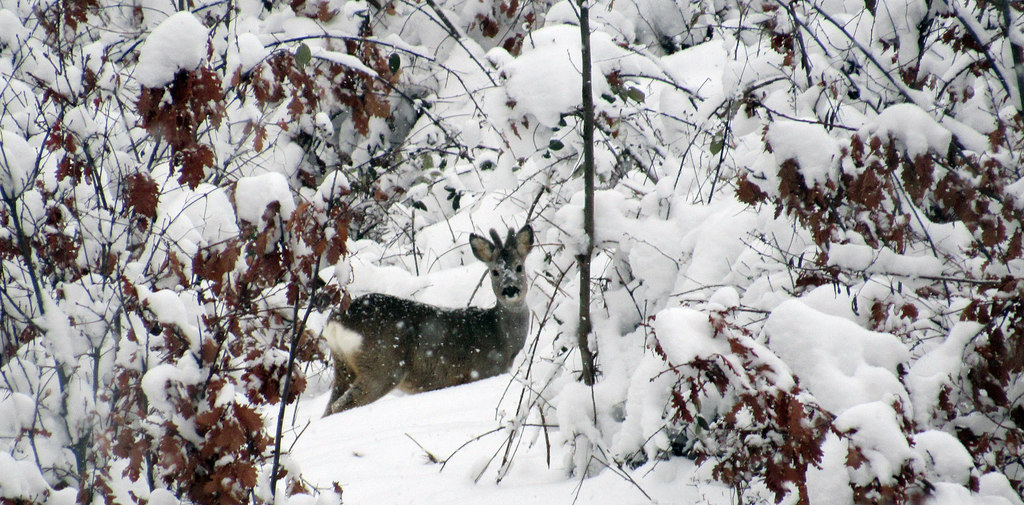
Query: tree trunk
(585, 326)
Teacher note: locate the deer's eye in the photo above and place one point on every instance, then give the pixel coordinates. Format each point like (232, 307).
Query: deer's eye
(494, 272)
(519, 268)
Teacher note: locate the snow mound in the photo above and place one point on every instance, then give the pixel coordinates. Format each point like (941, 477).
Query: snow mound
(11, 30)
(809, 144)
(556, 56)
(179, 43)
(20, 478)
(876, 429)
(937, 365)
(171, 308)
(883, 260)
(946, 456)
(686, 334)
(840, 363)
(557, 93)
(247, 52)
(17, 159)
(253, 194)
(914, 127)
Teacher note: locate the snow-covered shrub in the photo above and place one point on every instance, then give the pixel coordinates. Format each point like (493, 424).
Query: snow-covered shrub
(883, 186)
(154, 255)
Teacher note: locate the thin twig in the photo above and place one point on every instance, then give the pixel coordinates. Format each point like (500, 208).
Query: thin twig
(466, 443)
(430, 455)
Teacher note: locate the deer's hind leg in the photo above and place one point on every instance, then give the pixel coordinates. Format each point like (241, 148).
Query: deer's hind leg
(343, 379)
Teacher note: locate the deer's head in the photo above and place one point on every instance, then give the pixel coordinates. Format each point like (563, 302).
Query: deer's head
(505, 262)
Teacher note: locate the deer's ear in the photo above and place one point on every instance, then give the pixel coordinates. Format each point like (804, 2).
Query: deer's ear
(482, 248)
(524, 240)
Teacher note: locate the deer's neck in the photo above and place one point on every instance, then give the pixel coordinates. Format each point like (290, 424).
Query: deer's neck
(514, 320)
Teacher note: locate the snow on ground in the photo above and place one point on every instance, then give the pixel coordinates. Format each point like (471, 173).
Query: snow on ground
(372, 452)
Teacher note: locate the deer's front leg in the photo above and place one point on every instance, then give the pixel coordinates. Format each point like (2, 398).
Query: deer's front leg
(367, 388)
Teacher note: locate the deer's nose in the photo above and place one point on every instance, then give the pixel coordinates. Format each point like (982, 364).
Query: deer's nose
(510, 292)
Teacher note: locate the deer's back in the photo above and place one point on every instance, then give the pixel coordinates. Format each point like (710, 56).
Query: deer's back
(432, 347)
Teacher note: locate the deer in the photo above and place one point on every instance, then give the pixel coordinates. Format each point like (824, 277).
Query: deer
(380, 342)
